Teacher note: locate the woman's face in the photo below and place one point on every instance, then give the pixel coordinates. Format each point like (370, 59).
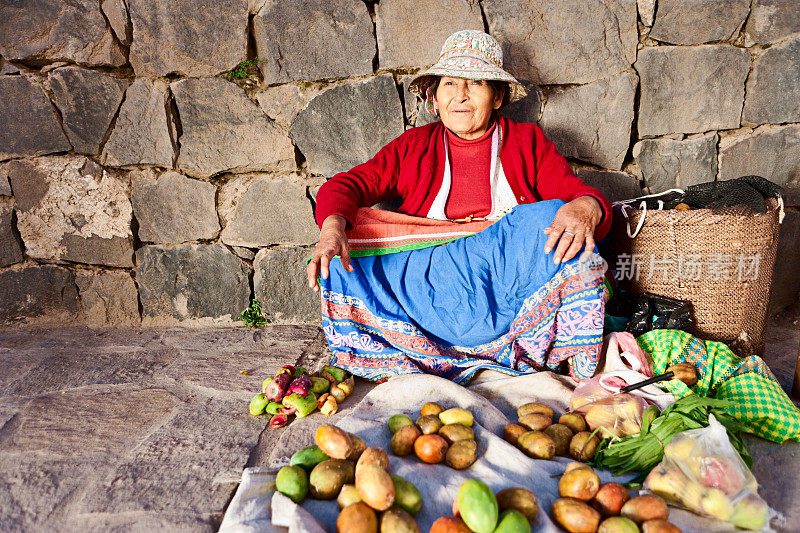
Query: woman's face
(466, 106)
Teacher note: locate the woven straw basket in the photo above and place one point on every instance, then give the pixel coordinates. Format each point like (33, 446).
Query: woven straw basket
(670, 244)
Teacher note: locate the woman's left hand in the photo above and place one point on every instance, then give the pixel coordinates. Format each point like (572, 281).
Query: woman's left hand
(573, 228)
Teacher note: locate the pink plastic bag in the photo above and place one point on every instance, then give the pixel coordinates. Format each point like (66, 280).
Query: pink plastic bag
(617, 415)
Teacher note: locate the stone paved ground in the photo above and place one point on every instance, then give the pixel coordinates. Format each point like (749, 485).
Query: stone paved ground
(148, 430)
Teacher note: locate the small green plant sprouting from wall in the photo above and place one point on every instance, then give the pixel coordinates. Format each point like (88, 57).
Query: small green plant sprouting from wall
(244, 69)
(253, 316)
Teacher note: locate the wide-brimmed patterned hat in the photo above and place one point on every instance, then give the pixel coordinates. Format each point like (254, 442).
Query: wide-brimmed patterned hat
(472, 55)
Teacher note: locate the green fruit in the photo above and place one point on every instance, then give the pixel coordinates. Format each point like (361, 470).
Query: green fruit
(274, 407)
(299, 371)
(305, 405)
(749, 512)
(512, 521)
(406, 495)
(319, 385)
(308, 458)
(258, 404)
(328, 477)
(335, 372)
(618, 524)
(478, 506)
(293, 482)
(398, 421)
(264, 385)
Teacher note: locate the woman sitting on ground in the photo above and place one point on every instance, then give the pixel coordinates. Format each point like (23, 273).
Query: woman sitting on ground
(509, 290)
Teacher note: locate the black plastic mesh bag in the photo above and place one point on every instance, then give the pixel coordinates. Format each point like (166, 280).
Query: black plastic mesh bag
(751, 191)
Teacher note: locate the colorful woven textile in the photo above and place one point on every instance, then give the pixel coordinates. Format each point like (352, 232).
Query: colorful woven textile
(379, 232)
(759, 402)
(492, 300)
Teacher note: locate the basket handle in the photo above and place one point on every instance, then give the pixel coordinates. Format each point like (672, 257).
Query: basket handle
(623, 204)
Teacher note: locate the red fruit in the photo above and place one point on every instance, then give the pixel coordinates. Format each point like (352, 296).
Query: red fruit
(610, 499)
(276, 389)
(720, 474)
(449, 524)
(278, 421)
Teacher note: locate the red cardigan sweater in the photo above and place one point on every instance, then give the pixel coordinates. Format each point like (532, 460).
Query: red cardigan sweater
(412, 167)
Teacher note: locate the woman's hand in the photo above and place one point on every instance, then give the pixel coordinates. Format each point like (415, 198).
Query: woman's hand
(573, 228)
(332, 242)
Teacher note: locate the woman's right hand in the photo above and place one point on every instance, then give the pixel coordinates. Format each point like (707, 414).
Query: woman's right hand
(332, 242)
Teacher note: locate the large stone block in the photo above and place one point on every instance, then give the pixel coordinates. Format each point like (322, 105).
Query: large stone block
(690, 89)
(347, 125)
(36, 489)
(773, 88)
(772, 20)
(172, 208)
(191, 281)
(116, 11)
(10, 247)
(592, 122)
(313, 39)
(69, 208)
(400, 24)
(141, 134)
(647, 11)
(43, 31)
(669, 163)
(529, 109)
(108, 299)
(263, 210)
(282, 103)
(88, 100)
(224, 130)
(280, 284)
(88, 422)
(572, 41)
(698, 21)
(786, 278)
(30, 126)
(614, 185)
(187, 37)
(179, 468)
(5, 186)
(769, 151)
(46, 293)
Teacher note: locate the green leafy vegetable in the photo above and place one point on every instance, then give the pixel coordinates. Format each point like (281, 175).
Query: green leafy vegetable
(640, 453)
(253, 316)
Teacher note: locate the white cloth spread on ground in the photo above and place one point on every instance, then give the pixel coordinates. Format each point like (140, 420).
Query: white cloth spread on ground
(493, 400)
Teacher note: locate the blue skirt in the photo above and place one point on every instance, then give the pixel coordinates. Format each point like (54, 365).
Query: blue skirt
(493, 300)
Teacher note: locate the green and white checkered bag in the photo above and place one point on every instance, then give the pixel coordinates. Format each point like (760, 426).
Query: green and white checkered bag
(759, 402)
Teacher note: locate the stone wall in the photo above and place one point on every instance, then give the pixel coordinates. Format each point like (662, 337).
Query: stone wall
(140, 182)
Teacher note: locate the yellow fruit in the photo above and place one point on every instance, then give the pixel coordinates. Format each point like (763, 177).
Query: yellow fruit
(579, 483)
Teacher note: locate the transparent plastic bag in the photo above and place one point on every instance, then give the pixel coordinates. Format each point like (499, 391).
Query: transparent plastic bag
(616, 415)
(702, 472)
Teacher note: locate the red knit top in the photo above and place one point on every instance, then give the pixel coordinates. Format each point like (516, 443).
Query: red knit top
(470, 165)
(412, 167)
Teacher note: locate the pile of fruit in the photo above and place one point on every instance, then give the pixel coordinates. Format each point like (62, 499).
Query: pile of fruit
(587, 506)
(340, 466)
(538, 437)
(477, 509)
(714, 484)
(439, 435)
(293, 391)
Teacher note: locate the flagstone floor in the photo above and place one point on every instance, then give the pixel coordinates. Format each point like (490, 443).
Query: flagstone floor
(148, 429)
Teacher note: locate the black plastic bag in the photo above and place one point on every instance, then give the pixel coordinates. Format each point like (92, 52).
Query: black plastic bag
(659, 312)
